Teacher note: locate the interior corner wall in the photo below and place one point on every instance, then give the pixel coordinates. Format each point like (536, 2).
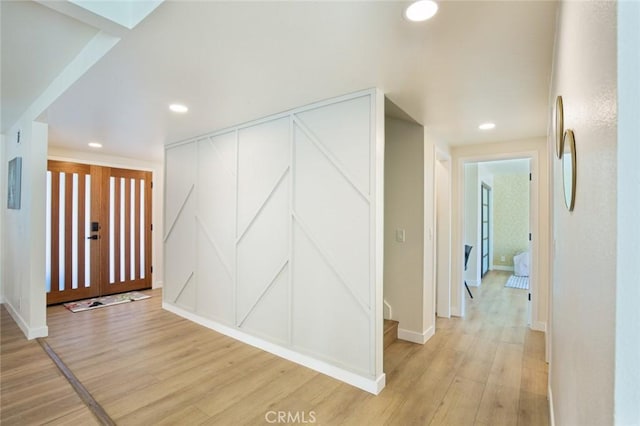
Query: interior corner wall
(156, 168)
(583, 331)
(23, 264)
(404, 214)
(627, 376)
(272, 231)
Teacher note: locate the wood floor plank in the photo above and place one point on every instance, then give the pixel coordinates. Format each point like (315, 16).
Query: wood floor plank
(32, 390)
(145, 366)
(460, 404)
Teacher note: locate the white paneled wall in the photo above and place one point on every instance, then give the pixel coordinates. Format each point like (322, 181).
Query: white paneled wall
(271, 235)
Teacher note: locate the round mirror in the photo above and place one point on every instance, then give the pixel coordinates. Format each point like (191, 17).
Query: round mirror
(559, 126)
(569, 169)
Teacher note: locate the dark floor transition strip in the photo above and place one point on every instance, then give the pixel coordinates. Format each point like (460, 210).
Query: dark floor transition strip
(82, 392)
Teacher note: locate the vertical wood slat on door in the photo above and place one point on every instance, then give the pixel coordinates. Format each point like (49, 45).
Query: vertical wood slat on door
(136, 215)
(55, 231)
(68, 230)
(116, 230)
(127, 230)
(81, 228)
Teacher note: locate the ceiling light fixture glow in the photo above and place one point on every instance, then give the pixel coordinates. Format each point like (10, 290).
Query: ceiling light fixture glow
(487, 126)
(421, 10)
(95, 144)
(178, 108)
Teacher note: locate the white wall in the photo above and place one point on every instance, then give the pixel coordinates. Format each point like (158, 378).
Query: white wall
(584, 279)
(24, 250)
(96, 158)
(3, 198)
(627, 377)
(536, 149)
(404, 210)
(443, 234)
(273, 235)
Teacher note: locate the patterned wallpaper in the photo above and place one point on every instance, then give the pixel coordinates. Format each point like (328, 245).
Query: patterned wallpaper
(510, 217)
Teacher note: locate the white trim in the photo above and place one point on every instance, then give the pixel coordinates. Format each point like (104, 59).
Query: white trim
(157, 284)
(387, 310)
(474, 283)
(552, 416)
(539, 326)
(369, 384)
(415, 337)
(29, 332)
(492, 152)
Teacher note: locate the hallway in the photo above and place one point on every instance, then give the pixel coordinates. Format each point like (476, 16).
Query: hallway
(148, 366)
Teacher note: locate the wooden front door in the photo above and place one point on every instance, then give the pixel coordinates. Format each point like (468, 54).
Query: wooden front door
(98, 232)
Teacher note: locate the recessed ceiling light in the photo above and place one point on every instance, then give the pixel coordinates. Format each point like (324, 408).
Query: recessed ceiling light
(487, 126)
(95, 144)
(178, 108)
(421, 10)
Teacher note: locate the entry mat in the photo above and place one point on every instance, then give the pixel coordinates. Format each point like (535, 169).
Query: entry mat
(101, 302)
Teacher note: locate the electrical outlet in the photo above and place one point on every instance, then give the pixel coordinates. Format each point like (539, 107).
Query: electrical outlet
(502, 259)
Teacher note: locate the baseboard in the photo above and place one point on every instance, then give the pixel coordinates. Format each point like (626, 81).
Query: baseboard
(415, 337)
(29, 332)
(474, 283)
(157, 284)
(552, 416)
(370, 385)
(503, 268)
(539, 326)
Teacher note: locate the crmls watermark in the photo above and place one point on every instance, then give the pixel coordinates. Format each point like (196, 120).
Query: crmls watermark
(287, 417)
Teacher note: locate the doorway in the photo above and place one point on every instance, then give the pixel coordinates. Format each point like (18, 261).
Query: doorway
(98, 231)
(497, 219)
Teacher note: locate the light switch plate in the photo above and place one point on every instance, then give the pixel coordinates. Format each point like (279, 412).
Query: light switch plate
(400, 235)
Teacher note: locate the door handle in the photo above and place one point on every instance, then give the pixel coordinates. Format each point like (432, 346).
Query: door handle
(93, 237)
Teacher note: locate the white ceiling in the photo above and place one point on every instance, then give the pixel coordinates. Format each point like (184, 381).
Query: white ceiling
(231, 62)
(36, 45)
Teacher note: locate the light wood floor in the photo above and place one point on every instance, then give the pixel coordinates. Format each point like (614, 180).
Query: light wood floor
(147, 366)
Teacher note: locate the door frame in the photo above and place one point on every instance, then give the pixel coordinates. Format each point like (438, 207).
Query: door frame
(100, 181)
(480, 153)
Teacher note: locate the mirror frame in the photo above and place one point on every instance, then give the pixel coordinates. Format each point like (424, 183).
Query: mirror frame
(569, 145)
(559, 126)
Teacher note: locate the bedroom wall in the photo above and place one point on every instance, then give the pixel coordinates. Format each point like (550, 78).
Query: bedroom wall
(510, 217)
(273, 234)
